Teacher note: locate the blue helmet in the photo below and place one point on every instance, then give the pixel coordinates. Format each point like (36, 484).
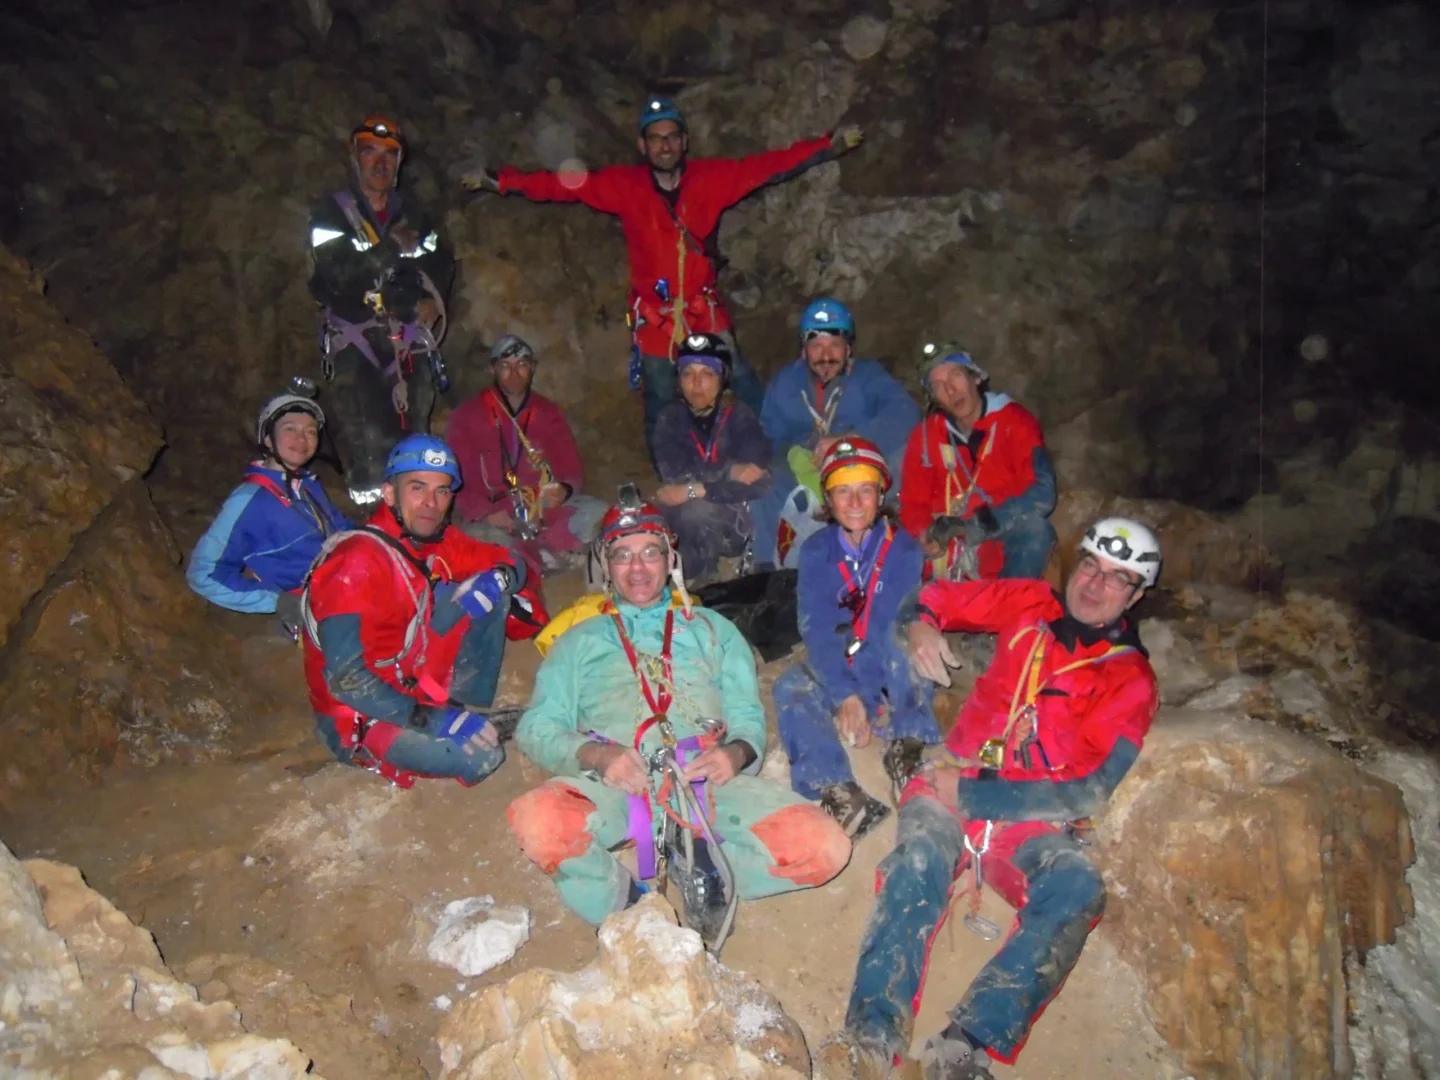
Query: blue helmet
(423, 453)
(660, 108)
(826, 316)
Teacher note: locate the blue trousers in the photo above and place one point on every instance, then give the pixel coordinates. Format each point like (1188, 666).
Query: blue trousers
(660, 385)
(473, 681)
(807, 719)
(1063, 897)
(1027, 543)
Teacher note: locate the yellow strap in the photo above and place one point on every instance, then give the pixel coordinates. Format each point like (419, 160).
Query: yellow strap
(537, 459)
(955, 503)
(677, 299)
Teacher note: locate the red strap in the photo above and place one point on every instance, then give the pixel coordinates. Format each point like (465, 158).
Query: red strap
(269, 484)
(711, 453)
(661, 703)
(862, 620)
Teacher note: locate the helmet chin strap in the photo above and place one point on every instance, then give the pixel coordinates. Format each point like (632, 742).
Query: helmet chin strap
(676, 574)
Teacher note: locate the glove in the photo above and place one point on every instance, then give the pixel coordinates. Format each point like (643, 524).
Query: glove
(482, 180)
(981, 527)
(847, 138)
(289, 609)
(454, 724)
(483, 593)
(946, 528)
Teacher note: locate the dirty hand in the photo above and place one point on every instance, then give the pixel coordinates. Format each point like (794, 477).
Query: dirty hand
(746, 473)
(946, 782)
(619, 767)
(672, 494)
(717, 765)
(931, 549)
(427, 313)
(852, 723)
(930, 653)
(551, 496)
(472, 732)
(481, 180)
(846, 138)
(400, 396)
(823, 447)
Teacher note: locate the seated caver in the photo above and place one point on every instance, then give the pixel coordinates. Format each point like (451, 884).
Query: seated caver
(255, 554)
(521, 465)
(621, 696)
(406, 621)
(855, 575)
(1049, 731)
(978, 484)
(712, 458)
(811, 402)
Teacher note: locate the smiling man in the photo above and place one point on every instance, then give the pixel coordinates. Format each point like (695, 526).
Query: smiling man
(1050, 730)
(652, 672)
(669, 207)
(406, 621)
(979, 486)
(380, 274)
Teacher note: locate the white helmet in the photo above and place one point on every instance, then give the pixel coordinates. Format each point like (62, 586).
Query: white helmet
(278, 406)
(1125, 543)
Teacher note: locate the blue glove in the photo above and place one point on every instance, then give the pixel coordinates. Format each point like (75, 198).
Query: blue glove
(483, 593)
(456, 725)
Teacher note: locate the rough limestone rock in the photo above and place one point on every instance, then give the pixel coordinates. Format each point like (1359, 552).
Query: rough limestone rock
(84, 994)
(108, 655)
(652, 1004)
(1247, 866)
(74, 435)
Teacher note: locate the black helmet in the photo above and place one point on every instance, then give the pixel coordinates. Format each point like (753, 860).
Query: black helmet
(707, 349)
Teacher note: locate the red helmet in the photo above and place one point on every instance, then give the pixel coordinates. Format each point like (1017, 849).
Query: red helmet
(851, 451)
(627, 519)
(378, 130)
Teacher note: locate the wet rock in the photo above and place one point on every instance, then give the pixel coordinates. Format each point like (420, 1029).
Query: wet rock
(84, 993)
(1247, 865)
(652, 1004)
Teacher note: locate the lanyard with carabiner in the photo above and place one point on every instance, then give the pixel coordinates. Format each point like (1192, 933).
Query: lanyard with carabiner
(660, 698)
(862, 592)
(710, 452)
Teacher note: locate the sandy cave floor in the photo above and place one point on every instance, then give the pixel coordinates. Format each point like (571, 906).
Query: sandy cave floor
(335, 877)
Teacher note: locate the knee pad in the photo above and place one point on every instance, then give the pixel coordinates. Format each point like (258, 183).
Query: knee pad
(549, 823)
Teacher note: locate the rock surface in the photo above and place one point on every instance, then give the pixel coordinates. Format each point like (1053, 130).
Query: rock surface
(652, 1004)
(108, 655)
(84, 994)
(1247, 867)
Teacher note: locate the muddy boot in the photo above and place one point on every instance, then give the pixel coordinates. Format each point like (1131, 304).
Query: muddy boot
(951, 1056)
(856, 811)
(902, 761)
(850, 1057)
(702, 889)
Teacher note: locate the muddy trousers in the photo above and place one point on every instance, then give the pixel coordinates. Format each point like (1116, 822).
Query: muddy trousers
(358, 403)
(421, 750)
(1027, 543)
(807, 721)
(776, 843)
(707, 531)
(1058, 895)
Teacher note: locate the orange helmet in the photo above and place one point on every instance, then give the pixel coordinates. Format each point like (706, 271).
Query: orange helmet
(377, 130)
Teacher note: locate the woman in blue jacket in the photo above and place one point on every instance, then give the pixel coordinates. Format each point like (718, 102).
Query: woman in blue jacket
(256, 553)
(856, 575)
(712, 458)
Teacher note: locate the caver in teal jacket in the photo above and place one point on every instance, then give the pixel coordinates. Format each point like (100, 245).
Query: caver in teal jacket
(586, 685)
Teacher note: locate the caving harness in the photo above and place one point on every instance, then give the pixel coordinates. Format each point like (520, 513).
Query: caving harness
(959, 561)
(862, 586)
(524, 501)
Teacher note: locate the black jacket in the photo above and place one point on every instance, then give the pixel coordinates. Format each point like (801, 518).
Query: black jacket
(344, 270)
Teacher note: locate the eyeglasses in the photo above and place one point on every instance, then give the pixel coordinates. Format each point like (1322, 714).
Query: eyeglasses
(666, 139)
(507, 367)
(650, 554)
(1114, 580)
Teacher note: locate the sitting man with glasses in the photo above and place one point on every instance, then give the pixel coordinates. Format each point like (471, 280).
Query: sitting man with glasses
(649, 716)
(522, 467)
(1049, 731)
(855, 576)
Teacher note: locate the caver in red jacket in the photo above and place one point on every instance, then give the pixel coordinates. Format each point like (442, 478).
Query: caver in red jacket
(660, 249)
(485, 442)
(1089, 704)
(1004, 467)
(405, 628)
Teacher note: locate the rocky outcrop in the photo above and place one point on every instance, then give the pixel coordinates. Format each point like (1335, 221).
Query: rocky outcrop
(84, 993)
(106, 654)
(652, 1004)
(1247, 866)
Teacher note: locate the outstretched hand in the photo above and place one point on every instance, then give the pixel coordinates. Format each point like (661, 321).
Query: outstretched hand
(930, 653)
(481, 180)
(846, 138)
